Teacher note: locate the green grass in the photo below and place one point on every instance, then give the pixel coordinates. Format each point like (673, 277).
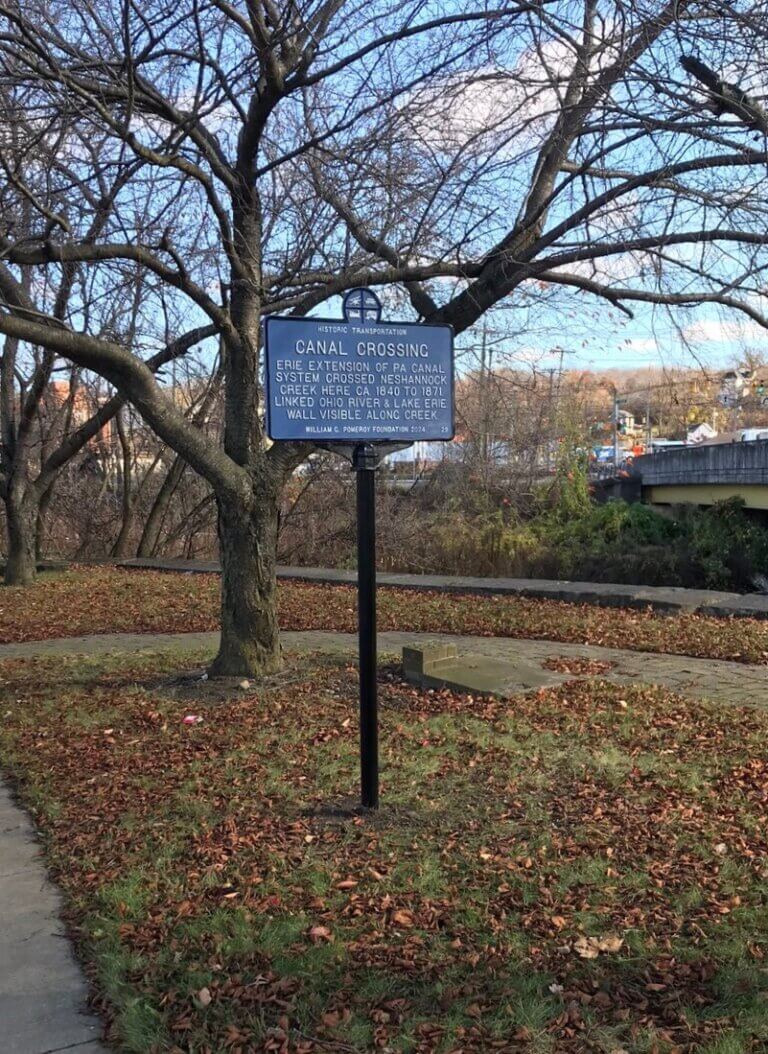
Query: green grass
(224, 899)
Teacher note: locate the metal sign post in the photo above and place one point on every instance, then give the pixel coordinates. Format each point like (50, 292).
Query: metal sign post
(364, 463)
(361, 388)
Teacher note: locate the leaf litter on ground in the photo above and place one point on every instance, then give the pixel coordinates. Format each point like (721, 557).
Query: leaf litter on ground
(112, 600)
(552, 872)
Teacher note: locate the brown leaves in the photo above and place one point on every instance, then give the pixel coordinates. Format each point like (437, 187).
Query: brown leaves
(152, 602)
(218, 849)
(109, 600)
(591, 947)
(403, 919)
(577, 664)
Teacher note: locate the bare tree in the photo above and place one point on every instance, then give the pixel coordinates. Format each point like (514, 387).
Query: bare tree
(273, 156)
(46, 414)
(203, 411)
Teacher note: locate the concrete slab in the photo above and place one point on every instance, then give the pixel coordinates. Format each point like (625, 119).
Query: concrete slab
(732, 682)
(32, 1028)
(440, 665)
(752, 605)
(675, 598)
(110, 644)
(149, 563)
(42, 990)
(606, 594)
(92, 1047)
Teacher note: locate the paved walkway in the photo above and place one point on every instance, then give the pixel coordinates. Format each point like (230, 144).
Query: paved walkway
(606, 594)
(42, 992)
(728, 682)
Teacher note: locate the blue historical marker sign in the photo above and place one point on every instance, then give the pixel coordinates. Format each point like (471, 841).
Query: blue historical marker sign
(358, 380)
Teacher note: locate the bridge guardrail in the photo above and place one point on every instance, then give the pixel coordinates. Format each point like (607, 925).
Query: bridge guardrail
(745, 462)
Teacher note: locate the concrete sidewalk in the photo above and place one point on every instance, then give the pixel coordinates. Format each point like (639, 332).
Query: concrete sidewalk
(42, 990)
(716, 679)
(661, 598)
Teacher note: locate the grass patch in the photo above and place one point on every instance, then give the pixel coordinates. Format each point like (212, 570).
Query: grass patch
(551, 873)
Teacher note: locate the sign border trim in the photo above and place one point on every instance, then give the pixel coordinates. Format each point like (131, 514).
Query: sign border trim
(372, 326)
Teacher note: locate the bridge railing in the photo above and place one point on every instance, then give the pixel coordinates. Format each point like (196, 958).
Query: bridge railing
(714, 463)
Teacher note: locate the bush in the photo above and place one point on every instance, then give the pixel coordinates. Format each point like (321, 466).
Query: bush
(728, 547)
(458, 523)
(483, 544)
(715, 548)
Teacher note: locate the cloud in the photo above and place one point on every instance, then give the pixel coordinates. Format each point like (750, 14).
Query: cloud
(643, 347)
(728, 331)
(533, 356)
(508, 106)
(483, 108)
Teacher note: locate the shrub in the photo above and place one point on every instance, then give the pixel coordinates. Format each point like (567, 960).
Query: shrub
(728, 547)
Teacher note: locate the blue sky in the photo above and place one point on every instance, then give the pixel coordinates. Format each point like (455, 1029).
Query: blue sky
(595, 336)
(703, 337)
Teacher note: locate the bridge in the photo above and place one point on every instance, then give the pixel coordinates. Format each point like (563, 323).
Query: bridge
(700, 475)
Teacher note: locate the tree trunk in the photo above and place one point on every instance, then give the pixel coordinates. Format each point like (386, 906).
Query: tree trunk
(42, 516)
(120, 548)
(21, 520)
(150, 536)
(250, 645)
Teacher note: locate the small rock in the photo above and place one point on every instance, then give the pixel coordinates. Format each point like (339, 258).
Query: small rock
(245, 685)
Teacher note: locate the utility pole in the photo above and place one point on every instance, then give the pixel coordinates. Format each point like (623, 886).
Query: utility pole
(485, 417)
(550, 423)
(556, 408)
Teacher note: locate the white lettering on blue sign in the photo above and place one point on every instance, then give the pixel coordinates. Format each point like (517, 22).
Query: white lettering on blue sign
(352, 382)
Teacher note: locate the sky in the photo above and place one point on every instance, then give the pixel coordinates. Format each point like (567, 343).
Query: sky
(595, 336)
(588, 333)
(702, 337)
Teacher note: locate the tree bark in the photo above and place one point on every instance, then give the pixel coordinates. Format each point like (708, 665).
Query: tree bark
(150, 536)
(42, 516)
(21, 520)
(250, 645)
(120, 548)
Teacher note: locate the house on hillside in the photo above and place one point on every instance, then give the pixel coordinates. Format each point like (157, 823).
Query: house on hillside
(701, 434)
